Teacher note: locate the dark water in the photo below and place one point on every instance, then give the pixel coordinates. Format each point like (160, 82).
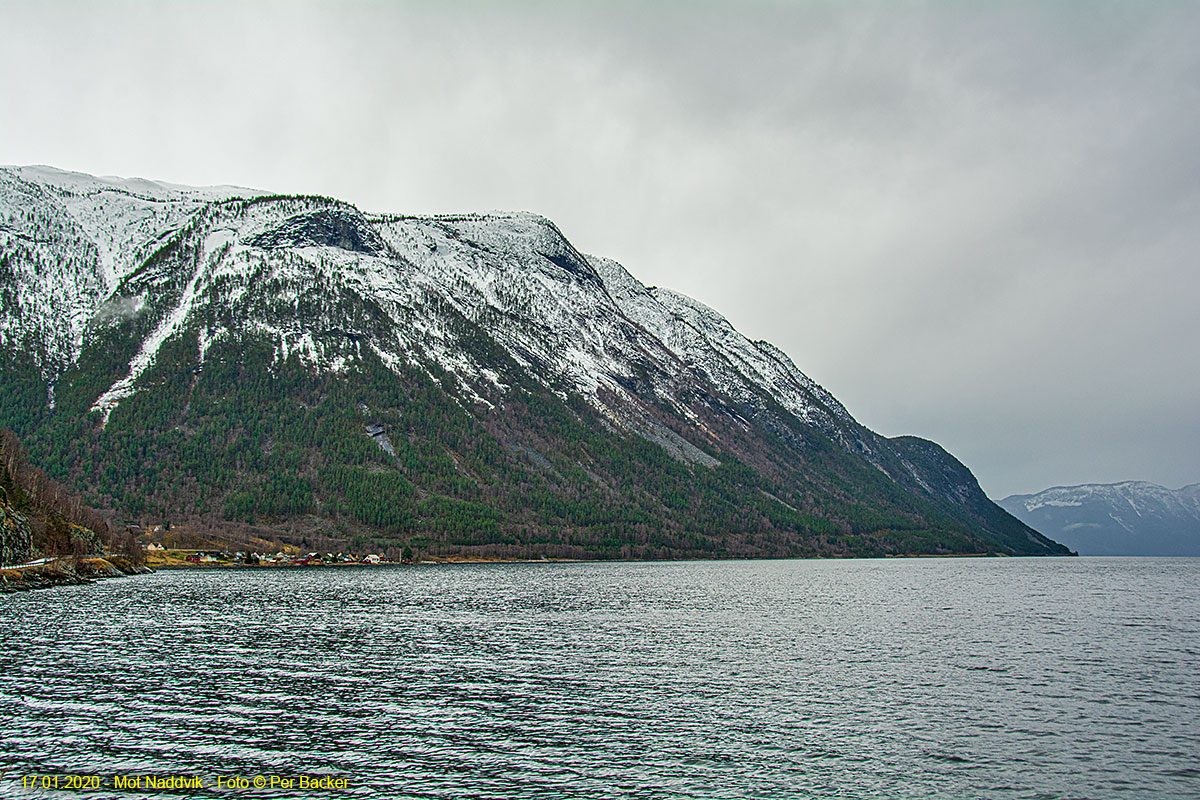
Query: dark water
(1004, 678)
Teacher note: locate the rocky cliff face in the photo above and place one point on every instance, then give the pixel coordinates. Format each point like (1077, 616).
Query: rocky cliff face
(16, 540)
(154, 312)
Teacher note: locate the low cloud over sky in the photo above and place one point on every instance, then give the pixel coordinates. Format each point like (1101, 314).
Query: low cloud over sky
(973, 222)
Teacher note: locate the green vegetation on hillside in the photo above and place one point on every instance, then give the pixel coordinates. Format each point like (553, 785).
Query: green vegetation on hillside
(250, 440)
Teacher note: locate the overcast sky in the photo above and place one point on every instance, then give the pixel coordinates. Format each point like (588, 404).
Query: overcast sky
(974, 222)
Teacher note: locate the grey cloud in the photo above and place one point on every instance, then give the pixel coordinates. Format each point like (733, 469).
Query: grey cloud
(972, 222)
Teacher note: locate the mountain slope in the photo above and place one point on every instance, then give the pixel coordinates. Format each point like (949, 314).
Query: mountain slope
(466, 383)
(1133, 518)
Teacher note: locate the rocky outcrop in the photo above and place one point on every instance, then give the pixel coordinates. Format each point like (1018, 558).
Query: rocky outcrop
(67, 572)
(16, 539)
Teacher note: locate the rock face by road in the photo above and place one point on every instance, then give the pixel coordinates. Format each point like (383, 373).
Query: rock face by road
(16, 539)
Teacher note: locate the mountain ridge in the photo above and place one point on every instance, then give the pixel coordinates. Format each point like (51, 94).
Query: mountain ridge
(1122, 518)
(163, 287)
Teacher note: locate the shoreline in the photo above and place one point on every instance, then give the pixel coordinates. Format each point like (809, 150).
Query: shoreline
(67, 572)
(466, 560)
(63, 572)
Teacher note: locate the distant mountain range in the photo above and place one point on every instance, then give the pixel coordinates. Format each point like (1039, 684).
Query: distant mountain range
(1132, 518)
(225, 359)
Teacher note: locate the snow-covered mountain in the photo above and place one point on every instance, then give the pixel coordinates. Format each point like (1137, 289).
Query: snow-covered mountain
(1132, 518)
(583, 319)
(103, 280)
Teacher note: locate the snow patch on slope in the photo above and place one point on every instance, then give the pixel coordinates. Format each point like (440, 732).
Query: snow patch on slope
(149, 350)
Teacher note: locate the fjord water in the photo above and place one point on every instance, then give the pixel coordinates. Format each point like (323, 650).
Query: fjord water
(958, 678)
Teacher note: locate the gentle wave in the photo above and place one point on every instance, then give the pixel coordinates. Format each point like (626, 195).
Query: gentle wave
(1005, 678)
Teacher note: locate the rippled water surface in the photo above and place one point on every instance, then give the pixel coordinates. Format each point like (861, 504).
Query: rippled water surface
(1005, 678)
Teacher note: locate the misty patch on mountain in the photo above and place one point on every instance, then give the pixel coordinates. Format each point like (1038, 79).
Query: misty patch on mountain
(118, 309)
